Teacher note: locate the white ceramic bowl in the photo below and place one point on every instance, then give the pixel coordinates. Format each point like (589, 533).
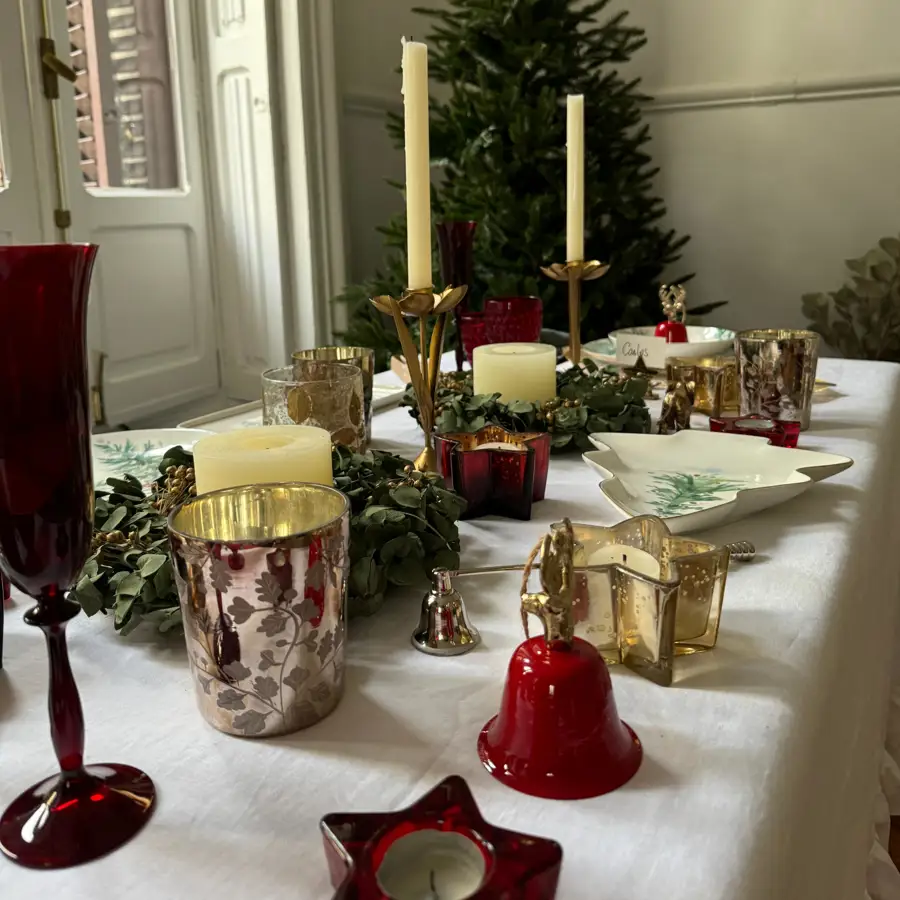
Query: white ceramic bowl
(703, 340)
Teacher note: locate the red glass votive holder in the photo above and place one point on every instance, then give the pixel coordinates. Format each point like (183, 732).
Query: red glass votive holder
(498, 472)
(438, 847)
(780, 432)
(513, 319)
(473, 331)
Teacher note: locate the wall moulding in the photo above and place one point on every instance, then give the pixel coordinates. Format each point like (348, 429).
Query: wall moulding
(705, 97)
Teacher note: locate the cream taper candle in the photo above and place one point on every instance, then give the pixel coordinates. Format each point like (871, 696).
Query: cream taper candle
(515, 371)
(418, 165)
(574, 177)
(274, 454)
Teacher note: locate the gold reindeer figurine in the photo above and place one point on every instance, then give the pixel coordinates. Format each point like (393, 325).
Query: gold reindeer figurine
(553, 605)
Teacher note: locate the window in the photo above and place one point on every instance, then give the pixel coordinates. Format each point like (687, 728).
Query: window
(124, 94)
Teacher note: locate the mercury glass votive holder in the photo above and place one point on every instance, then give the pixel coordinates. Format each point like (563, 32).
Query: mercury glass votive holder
(776, 370)
(715, 378)
(322, 393)
(363, 357)
(650, 595)
(262, 572)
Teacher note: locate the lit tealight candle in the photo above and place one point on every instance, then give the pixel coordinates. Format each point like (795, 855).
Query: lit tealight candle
(498, 445)
(633, 558)
(516, 371)
(432, 865)
(272, 455)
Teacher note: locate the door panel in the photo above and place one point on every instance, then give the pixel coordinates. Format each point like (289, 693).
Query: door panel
(246, 215)
(132, 158)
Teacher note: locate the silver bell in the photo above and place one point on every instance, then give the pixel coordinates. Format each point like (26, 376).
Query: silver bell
(444, 628)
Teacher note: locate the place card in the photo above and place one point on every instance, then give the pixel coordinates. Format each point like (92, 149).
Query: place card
(634, 346)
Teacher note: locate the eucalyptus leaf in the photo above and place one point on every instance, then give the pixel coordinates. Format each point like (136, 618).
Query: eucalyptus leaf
(590, 399)
(861, 319)
(401, 521)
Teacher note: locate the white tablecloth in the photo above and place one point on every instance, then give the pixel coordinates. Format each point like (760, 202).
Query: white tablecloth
(761, 769)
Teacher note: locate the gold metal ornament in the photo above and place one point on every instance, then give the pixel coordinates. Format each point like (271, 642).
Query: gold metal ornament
(677, 406)
(553, 605)
(674, 302)
(575, 271)
(425, 364)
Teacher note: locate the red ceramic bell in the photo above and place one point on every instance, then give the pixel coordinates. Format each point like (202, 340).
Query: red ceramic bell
(558, 733)
(673, 304)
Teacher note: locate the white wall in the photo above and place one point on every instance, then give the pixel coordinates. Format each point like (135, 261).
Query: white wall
(776, 123)
(368, 36)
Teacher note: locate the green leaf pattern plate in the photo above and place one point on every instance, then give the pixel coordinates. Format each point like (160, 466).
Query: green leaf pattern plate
(138, 453)
(698, 479)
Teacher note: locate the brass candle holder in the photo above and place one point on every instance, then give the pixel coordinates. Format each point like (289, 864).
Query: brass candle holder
(425, 364)
(575, 271)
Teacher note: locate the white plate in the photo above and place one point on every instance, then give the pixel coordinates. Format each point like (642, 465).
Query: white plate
(703, 340)
(698, 479)
(137, 452)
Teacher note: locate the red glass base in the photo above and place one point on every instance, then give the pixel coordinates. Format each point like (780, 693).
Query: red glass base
(71, 819)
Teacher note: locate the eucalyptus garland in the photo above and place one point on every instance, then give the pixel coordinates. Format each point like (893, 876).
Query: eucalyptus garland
(402, 525)
(588, 400)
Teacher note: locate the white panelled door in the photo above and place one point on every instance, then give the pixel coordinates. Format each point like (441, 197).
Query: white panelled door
(130, 142)
(246, 215)
(21, 204)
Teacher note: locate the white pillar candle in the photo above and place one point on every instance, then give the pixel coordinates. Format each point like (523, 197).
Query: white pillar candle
(418, 164)
(274, 454)
(429, 864)
(516, 371)
(574, 177)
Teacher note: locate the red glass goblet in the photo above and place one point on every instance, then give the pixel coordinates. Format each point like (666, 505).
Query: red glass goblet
(513, 319)
(46, 514)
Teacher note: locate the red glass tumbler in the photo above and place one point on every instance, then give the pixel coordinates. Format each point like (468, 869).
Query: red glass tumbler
(46, 516)
(473, 332)
(780, 432)
(513, 319)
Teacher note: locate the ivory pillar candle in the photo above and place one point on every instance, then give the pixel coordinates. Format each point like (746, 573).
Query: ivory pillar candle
(515, 371)
(574, 177)
(274, 454)
(418, 164)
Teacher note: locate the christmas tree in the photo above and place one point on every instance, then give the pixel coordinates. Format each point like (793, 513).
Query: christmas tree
(498, 145)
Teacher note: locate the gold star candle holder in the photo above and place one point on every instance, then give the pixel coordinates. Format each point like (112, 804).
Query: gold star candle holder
(644, 596)
(425, 363)
(574, 272)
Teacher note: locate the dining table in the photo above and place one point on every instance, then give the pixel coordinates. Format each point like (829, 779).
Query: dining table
(768, 769)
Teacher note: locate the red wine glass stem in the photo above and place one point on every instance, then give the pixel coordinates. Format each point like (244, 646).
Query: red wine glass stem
(66, 718)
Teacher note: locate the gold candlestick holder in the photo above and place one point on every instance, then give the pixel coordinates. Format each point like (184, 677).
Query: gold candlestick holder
(424, 364)
(575, 271)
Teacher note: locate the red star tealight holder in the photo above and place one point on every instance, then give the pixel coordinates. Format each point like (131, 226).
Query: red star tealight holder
(440, 848)
(499, 472)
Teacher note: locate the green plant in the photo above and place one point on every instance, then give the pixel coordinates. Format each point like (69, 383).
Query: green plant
(861, 320)
(589, 400)
(402, 525)
(498, 143)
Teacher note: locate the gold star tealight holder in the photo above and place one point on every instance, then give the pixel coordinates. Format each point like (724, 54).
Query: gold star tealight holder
(425, 363)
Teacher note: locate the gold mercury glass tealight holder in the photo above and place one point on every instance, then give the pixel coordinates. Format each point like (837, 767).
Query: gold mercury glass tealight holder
(574, 272)
(425, 363)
